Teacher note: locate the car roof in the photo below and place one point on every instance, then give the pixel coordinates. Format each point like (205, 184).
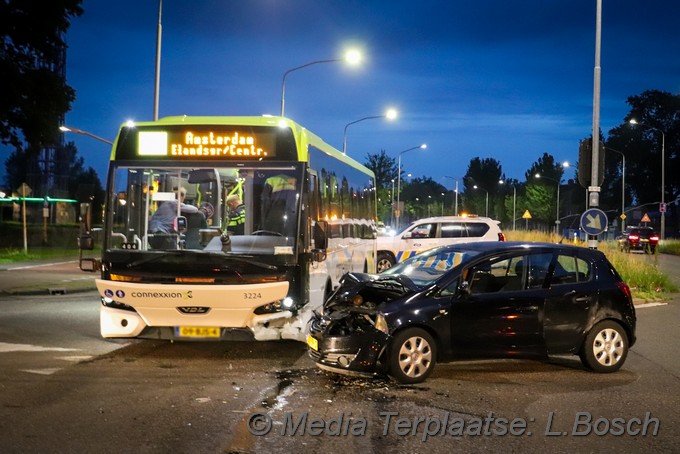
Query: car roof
(510, 246)
(457, 218)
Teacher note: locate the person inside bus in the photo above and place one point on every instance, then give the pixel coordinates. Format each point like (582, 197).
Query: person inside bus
(278, 204)
(237, 215)
(162, 222)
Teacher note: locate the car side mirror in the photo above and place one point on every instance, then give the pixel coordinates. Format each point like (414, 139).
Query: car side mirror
(407, 236)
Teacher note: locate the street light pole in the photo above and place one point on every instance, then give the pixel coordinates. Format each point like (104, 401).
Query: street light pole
(352, 57)
(64, 128)
(514, 202)
(423, 146)
(487, 199)
(662, 208)
(157, 78)
(455, 208)
(391, 114)
(392, 205)
(623, 187)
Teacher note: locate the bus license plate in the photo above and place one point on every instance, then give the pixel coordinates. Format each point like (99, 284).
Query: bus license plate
(313, 343)
(197, 331)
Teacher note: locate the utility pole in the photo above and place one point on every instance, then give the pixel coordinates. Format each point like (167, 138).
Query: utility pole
(594, 188)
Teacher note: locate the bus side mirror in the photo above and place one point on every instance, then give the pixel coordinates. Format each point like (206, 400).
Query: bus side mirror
(86, 242)
(320, 235)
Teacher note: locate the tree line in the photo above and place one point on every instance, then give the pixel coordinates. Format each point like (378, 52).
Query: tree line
(35, 98)
(485, 189)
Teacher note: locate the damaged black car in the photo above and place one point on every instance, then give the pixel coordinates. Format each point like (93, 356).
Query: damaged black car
(476, 300)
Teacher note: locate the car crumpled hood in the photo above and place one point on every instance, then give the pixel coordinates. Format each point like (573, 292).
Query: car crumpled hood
(365, 293)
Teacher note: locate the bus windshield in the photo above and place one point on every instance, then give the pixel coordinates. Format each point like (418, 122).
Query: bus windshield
(188, 208)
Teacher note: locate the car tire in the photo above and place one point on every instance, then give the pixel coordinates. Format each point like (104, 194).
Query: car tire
(384, 262)
(412, 356)
(605, 348)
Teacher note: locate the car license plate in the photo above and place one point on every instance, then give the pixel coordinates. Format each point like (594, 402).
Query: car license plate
(197, 331)
(313, 343)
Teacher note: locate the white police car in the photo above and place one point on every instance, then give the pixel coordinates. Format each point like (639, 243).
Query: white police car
(432, 232)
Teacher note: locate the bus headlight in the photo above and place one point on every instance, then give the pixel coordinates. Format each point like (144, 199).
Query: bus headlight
(287, 302)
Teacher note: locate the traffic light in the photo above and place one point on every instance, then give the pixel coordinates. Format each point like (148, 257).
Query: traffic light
(585, 163)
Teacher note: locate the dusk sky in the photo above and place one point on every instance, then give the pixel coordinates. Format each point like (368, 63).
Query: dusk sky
(491, 78)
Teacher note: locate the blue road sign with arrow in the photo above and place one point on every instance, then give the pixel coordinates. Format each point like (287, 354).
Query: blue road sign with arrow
(594, 221)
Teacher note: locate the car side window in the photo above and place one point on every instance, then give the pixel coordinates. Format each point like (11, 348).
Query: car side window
(497, 275)
(423, 231)
(583, 270)
(453, 230)
(538, 265)
(570, 270)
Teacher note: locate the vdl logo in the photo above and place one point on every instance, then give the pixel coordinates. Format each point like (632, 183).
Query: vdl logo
(193, 309)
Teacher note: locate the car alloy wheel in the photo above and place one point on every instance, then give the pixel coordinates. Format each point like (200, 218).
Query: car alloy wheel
(384, 262)
(606, 347)
(413, 355)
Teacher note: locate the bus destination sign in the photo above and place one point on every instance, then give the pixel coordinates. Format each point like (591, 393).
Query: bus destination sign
(204, 144)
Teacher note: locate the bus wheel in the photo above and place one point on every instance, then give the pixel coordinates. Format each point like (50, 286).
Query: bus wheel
(385, 261)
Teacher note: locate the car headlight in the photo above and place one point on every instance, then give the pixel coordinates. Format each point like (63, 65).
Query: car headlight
(381, 323)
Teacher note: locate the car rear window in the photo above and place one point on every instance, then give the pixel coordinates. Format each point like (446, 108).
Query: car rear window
(476, 229)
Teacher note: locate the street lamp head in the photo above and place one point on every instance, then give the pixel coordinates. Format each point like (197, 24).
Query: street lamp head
(353, 57)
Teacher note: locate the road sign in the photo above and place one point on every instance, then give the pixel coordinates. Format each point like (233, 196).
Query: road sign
(645, 218)
(662, 208)
(623, 216)
(526, 215)
(594, 221)
(24, 190)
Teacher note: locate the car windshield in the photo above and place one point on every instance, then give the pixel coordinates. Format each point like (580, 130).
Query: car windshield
(423, 269)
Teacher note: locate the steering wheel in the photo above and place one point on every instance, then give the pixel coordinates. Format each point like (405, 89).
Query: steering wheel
(266, 233)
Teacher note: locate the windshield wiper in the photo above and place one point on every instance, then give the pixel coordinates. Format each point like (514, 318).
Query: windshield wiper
(220, 255)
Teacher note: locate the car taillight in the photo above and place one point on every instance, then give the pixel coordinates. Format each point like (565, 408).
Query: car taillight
(633, 237)
(654, 238)
(624, 288)
(501, 237)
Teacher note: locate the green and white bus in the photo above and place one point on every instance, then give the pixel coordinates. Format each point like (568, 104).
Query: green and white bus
(310, 216)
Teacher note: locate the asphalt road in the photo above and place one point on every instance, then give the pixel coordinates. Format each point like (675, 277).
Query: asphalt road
(64, 389)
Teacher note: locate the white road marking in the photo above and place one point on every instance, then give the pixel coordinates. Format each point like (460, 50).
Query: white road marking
(75, 359)
(6, 348)
(38, 266)
(47, 371)
(640, 306)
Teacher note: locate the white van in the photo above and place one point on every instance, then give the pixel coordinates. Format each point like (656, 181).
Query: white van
(432, 232)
